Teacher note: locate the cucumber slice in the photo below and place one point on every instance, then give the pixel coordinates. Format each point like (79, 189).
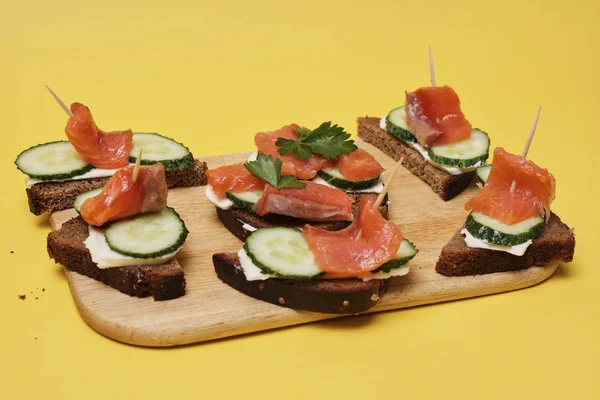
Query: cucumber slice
(282, 252)
(245, 200)
(483, 172)
(52, 161)
(405, 253)
(395, 123)
(334, 177)
(83, 197)
(493, 231)
(463, 154)
(157, 148)
(147, 235)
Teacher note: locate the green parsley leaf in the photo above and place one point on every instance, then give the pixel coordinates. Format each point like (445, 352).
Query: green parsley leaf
(327, 140)
(290, 181)
(269, 170)
(265, 168)
(299, 149)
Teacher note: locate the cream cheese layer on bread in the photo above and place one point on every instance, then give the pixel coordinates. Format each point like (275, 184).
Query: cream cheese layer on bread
(105, 257)
(254, 273)
(94, 173)
(423, 152)
(222, 203)
(475, 243)
(251, 271)
(400, 271)
(247, 226)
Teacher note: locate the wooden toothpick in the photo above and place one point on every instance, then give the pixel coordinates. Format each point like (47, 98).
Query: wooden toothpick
(528, 144)
(60, 102)
(431, 68)
(386, 186)
(136, 168)
(531, 132)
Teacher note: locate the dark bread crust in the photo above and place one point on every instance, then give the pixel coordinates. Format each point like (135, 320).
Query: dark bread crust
(446, 186)
(235, 218)
(555, 244)
(162, 282)
(55, 196)
(333, 296)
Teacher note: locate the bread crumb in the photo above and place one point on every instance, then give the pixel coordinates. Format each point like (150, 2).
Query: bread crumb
(346, 303)
(261, 286)
(374, 297)
(22, 296)
(281, 301)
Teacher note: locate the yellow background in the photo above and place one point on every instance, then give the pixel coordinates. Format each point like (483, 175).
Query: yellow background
(212, 75)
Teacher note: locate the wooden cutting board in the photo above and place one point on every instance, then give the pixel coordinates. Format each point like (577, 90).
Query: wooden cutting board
(211, 309)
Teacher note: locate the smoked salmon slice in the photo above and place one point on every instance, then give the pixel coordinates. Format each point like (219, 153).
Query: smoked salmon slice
(108, 150)
(313, 203)
(233, 179)
(359, 165)
(366, 244)
(534, 190)
(434, 116)
(292, 165)
(121, 198)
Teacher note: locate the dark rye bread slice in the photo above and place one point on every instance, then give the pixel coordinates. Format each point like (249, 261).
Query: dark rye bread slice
(446, 186)
(331, 296)
(235, 218)
(555, 244)
(162, 282)
(55, 196)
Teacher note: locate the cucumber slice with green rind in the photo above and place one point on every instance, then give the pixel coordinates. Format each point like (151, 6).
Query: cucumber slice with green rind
(148, 235)
(483, 172)
(405, 253)
(463, 154)
(282, 252)
(395, 123)
(157, 148)
(84, 196)
(52, 161)
(245, 200)
(493, 231)
(334, 177)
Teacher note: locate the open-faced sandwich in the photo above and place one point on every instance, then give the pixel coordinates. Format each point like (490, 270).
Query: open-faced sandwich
(313, 269)
(510, 225)
(126, 236)
(437, 142)
(297, 176)
(60, 171)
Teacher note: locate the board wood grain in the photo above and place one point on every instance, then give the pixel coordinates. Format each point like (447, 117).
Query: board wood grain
(211, 309)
